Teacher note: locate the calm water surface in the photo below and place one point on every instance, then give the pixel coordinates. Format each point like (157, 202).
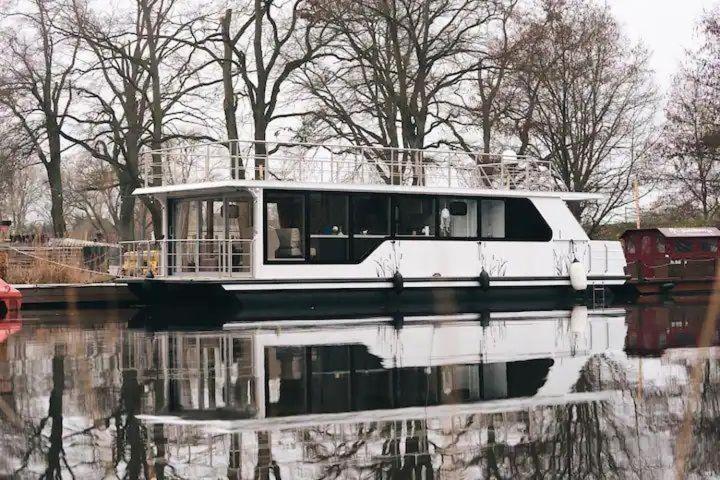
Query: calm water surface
(557, 394)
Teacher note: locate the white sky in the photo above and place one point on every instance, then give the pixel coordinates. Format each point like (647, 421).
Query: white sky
(666, 27)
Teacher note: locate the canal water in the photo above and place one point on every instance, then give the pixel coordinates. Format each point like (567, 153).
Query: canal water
(544, 394)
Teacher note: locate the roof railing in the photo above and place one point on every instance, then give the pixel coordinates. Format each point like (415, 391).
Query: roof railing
(343, 164)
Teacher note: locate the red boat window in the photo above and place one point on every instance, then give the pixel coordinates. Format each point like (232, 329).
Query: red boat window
(683, 245)
(660, 245)
(630, 245)
(709, 245)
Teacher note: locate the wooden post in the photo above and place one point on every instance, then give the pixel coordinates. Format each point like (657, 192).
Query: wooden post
(3, 264)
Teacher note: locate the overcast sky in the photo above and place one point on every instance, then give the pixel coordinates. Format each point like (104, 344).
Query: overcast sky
(667, 27)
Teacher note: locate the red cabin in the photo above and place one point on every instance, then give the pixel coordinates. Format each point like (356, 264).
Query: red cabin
(671, 253)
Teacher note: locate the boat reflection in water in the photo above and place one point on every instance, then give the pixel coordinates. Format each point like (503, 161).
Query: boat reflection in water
(512, 395)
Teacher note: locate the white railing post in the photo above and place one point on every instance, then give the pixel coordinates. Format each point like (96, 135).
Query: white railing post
(197, 255)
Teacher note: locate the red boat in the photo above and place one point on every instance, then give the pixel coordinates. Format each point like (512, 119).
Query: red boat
(654, 328)
(671, 260)
(10, 299)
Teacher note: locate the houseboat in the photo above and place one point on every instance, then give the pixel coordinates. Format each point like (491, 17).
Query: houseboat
(671, 260)
(343, 397)
(271, 224)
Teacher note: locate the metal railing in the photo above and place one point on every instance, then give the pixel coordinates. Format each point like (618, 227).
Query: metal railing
(210, 257)
(322, 163)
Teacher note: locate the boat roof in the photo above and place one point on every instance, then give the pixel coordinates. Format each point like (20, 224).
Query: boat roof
(229, 186)
(679, 232)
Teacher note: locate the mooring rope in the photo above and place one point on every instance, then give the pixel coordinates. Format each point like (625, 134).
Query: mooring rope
(72, 267)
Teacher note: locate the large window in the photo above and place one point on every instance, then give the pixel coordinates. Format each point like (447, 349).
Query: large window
(285, 226)
(347, 227)
(328, 227)
(370, 223)
(458, 218)
(492, 218)
(415, 216)
(524, 222)
(514, 219)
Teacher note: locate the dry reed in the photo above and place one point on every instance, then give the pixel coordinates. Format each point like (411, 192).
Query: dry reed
(40, 271)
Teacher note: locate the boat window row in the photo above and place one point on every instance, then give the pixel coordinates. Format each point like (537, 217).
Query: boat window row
(334, 227)
(649, 245)
(343, 378)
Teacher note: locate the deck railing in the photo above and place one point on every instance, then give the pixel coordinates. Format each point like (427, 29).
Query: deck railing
(322, 163)
(199, 257)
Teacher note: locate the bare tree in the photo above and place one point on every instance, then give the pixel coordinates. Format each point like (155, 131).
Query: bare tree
(485, 100)
(385, 80)
(593, 116)
(691, 136)
(265, 49)
(93, 194)
(138, 90)
(23, 195)
(35, 87)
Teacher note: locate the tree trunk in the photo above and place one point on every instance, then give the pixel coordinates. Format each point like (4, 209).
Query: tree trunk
(55, 414)
(155, 215)
(261, 149)
(126, 218)
(156, 103)
(56, 198)
(259, 107)
(229, 100)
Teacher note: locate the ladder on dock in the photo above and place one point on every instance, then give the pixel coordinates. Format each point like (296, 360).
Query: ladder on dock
(599, 297)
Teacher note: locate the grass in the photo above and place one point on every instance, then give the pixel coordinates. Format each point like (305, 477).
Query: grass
(40, 271)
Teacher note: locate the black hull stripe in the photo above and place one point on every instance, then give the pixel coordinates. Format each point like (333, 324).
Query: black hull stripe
(310, 281)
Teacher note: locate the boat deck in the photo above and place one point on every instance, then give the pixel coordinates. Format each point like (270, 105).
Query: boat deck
(343, 164)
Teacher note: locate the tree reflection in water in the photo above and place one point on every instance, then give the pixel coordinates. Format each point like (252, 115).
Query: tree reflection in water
(101, 400)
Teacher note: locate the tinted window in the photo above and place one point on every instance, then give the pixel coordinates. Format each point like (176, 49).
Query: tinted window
(683, 246)
(415, 216)
(630, 244)
(328, 227)
(370, 223)
(524, 222)
(285, 226)
(709, 245)
(458, 218)
(371, 215)
(660, 245)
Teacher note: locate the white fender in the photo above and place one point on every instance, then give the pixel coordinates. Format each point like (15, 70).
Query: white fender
(578, 277)
(579, 319)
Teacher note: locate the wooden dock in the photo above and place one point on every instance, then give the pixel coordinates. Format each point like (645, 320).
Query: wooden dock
(64, 295)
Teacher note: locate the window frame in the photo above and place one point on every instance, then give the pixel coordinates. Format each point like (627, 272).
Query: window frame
(346, 237)
(395, 221)
(456, 198)
(689, 243)
(305, 235)
(709, 245)
(392, 227)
